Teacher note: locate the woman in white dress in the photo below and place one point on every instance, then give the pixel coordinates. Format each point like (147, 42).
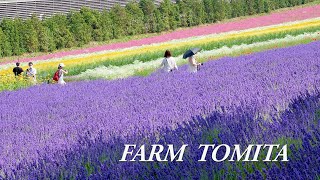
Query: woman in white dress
(168, 63)
(193, 64)
(61, 74)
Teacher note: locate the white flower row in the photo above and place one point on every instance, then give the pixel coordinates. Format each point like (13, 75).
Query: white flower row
(115, 72)
(174, 41)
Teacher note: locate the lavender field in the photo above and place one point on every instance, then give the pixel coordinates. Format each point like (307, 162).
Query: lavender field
(78, 131)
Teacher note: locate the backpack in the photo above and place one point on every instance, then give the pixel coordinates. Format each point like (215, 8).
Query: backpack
(56, 76)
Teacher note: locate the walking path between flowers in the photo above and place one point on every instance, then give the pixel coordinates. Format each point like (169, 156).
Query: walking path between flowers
(251, 22)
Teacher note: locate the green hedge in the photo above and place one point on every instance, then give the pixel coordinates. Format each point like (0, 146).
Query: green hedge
(74, 29)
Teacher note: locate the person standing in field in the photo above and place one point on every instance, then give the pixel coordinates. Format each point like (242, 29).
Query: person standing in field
(31, 71)
(193, 64)
(61, 73)
(168, 63)
(17, 70)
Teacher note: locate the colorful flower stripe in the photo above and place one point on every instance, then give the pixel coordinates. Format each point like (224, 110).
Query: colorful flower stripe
(261, 82)
(115, 72)
(138, 67)
(251, 22)
(195, 41)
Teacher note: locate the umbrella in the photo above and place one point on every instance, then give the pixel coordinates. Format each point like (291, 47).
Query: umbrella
(191, 52)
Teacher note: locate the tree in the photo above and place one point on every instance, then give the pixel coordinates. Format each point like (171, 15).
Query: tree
(228, 10)
(79, 28)
(58, 25)
(267, 6)
(259, 6)
(148, 9)
(160, 24)
(5, 48)
(170, 14)
(250, 4)
(175, 20)
(165, 10)
(119, 21)
(281, 4)
(182, 7)
(135, 24)
(237, 8)
(105, 30)
(20, 24)
(219, 10)
(91, 19)
(10, 28)
(30, 36)
(208, 7)
(2, 41)
(199, 11)
(188, 13)
(46, 40)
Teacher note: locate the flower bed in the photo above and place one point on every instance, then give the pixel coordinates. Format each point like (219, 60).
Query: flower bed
(251, 22)
(122, 57)
(263, 84)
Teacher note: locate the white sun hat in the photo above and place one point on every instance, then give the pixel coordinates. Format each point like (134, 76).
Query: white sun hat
(61, 65)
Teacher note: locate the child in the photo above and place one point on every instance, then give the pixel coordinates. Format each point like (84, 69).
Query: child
(31, 71)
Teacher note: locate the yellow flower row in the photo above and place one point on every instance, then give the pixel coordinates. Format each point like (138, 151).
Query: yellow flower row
(96, 58)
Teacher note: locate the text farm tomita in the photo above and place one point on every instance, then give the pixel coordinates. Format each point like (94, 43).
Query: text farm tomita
(253, 152)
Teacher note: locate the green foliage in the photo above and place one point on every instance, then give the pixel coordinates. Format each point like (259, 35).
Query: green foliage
(135, 17)
(78, 28)
(10, 28)
(63, 38)
(220, 9)
(165, 9)
(199, 11)
(267, 6)
(104, 31)
(91, 18)
(182, 11)
(148, 8)
(119, 21)
(30, 35)
(46, 38)
(237, 9)
(193, 12)
(5, 48)
(161, 24)
(209, 10)
(259, 6)
(250, 10)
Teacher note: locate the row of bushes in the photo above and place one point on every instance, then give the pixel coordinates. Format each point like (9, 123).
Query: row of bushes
(78, 28)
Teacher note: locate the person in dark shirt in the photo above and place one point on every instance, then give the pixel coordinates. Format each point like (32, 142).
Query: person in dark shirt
(17, 70)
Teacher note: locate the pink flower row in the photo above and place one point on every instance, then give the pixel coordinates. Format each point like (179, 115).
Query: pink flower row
(252, 22)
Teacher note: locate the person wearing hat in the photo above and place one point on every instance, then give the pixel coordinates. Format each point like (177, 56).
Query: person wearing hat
(193, 64)
(61, 74)
(17, 70)
(31, 71)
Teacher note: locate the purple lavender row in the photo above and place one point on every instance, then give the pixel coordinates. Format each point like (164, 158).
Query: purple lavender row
(99, 159)
(49, 118)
